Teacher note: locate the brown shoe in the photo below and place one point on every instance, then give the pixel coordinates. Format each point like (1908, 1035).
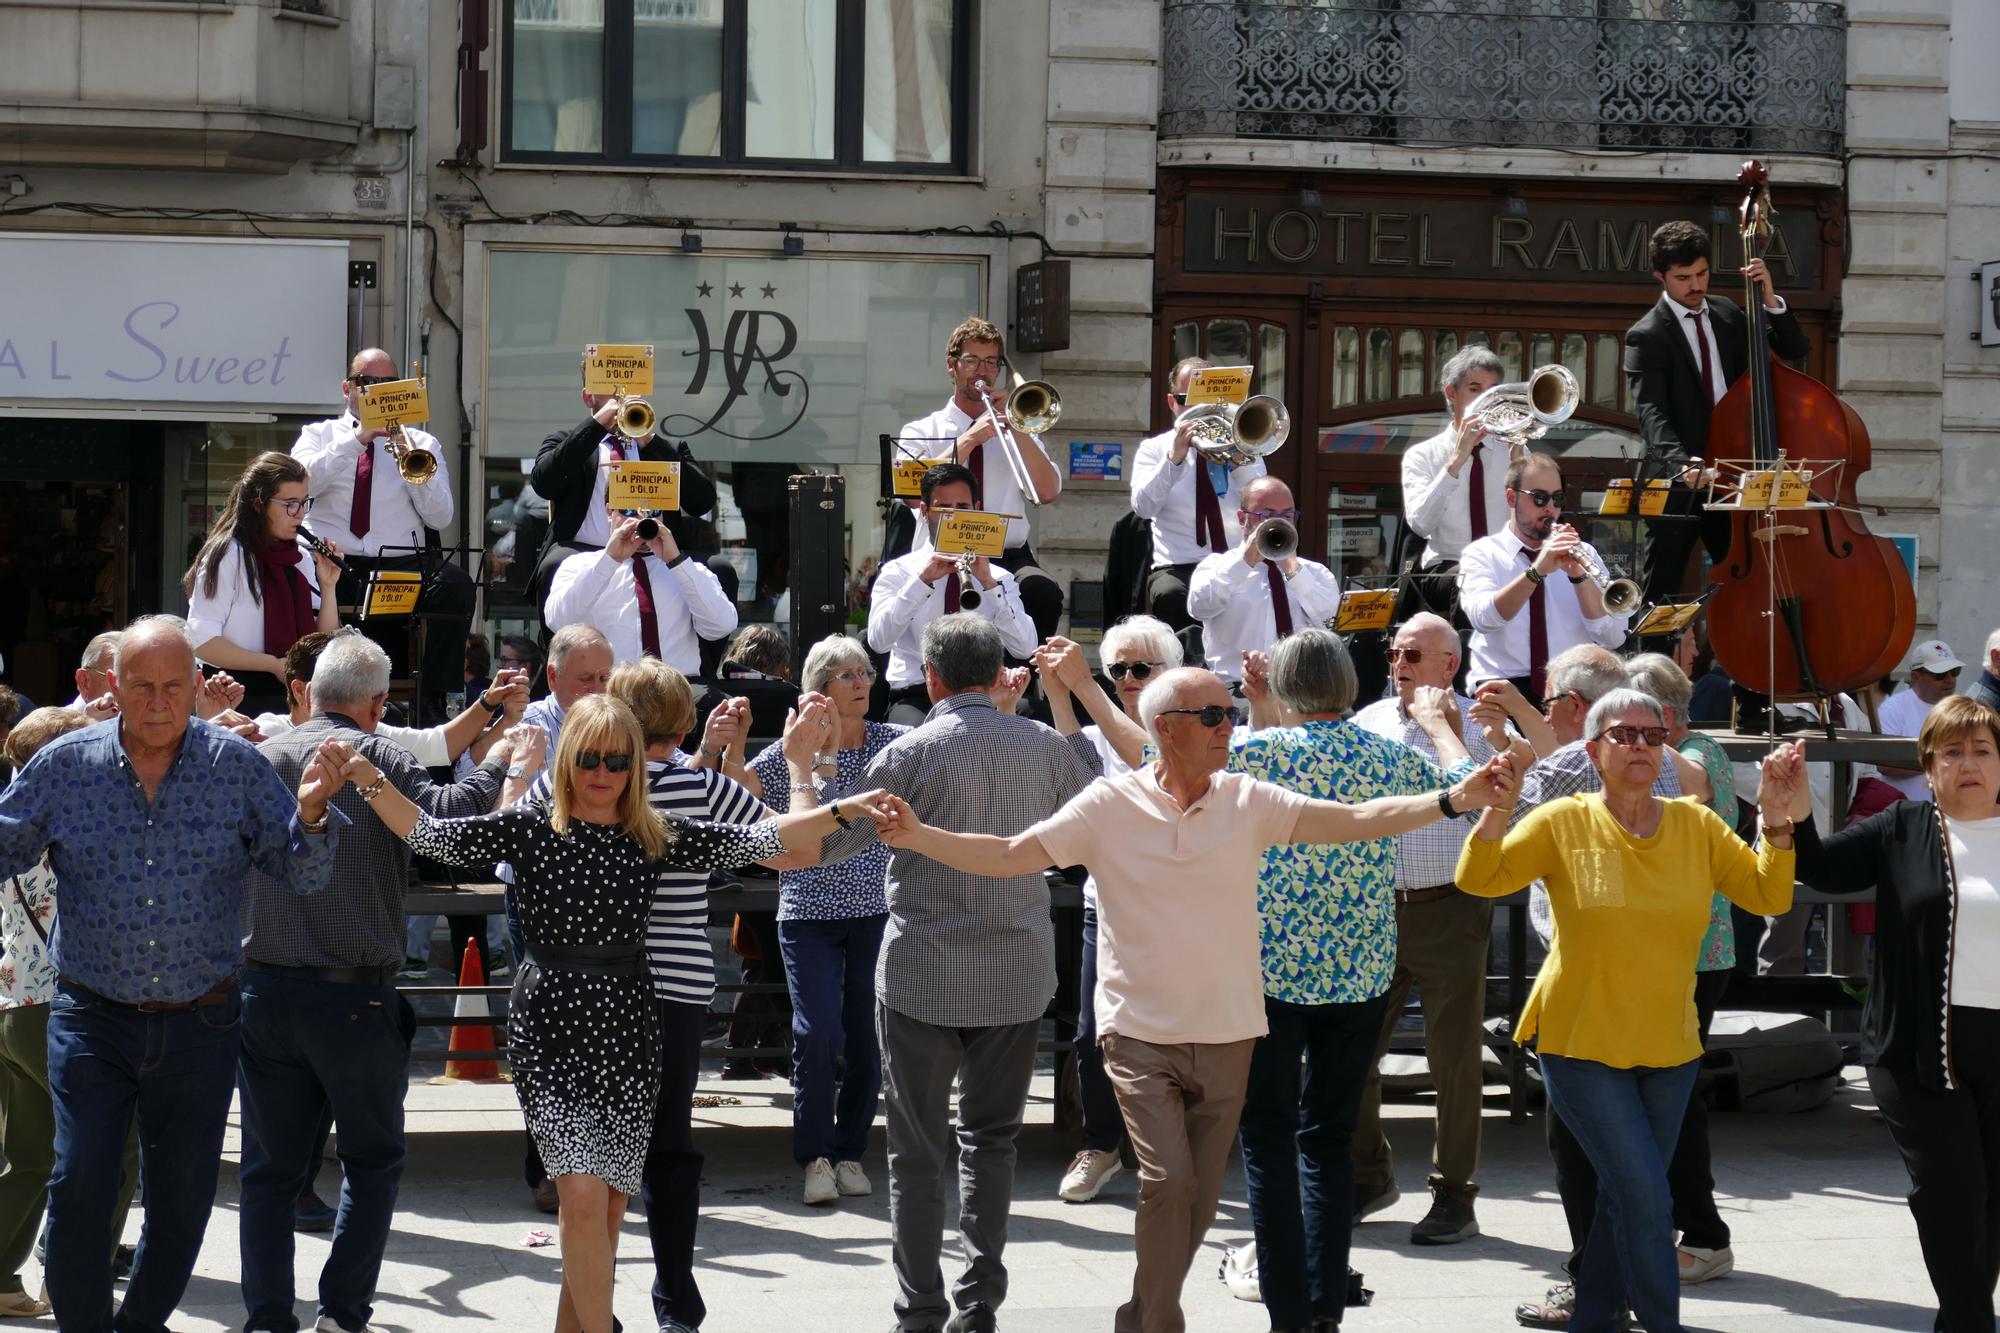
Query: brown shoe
(20, 1305)
(546, 1198)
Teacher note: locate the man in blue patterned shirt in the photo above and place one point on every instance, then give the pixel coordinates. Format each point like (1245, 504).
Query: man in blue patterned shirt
(152, 821)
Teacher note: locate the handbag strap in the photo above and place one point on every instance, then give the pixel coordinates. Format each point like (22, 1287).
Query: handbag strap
(43, 935)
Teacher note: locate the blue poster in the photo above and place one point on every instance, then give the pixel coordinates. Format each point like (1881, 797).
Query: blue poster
(1096, 460)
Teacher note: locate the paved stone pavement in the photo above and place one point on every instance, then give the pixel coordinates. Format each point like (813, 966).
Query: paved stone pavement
(1823, 1239)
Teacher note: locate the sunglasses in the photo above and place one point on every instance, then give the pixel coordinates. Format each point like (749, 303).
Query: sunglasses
(1543, 499)
(1136, 670)
(613, 763)
(364, 381)
(293, 508)
(1651, 737)
(1212, 716)
(1414, 656)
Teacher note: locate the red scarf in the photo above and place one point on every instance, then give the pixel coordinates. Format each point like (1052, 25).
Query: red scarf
(288, 603)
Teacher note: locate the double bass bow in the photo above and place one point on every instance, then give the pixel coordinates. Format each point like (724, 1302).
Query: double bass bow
(1808, 602)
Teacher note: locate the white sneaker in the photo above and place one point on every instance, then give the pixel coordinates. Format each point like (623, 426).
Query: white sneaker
(1088, 1171)
(820, 1186)
(327, 1324)
(851, 1180)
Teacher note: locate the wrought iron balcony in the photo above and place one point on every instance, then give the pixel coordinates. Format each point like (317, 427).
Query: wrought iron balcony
(1676, 75)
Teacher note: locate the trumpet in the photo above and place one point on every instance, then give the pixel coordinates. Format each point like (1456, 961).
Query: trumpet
(1276, 539)
(314, 543)
(1620, 595)
(414, 465)
(970, 595)
(1524, 410)
(1237, 433)
(1036, 405)
(636, 418)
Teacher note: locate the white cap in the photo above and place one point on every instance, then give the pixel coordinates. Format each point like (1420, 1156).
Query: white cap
(1934, 656)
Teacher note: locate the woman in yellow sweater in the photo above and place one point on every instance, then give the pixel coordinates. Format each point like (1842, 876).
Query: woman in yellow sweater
(1612, 1013)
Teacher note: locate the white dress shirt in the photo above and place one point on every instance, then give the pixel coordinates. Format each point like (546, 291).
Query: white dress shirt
(427, 745)
(1685, 318)
(1438, 506)
(1499, 647)
(398, 512)
(591, 588)
(1163, 493)
(936, 436)
(595, 529)
(1232, 600)
(902, 604)
(232, 613)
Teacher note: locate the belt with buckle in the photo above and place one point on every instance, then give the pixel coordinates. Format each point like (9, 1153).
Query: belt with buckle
(342, 976)
(219, 993)
(1430, 895)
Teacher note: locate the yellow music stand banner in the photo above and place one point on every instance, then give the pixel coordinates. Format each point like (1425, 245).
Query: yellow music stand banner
(647, 486)
(908, 477)
(618, 370)
(970, 532)
(1671, 618)
(1365, 610)
(391, 592)
(397, 403)
(1219, 384)
(1618, 498)
(1794, 490)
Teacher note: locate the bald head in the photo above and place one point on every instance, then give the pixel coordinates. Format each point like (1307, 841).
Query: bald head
(154, 679)
(371, 361)
(152, 635)
(1427, 650)
(1267, 493)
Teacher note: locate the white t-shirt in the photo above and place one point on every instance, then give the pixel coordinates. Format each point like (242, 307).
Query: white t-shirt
(1903, 714)
(1975, 855)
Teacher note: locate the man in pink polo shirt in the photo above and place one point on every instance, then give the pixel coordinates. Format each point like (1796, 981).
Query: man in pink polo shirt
(1176, 847)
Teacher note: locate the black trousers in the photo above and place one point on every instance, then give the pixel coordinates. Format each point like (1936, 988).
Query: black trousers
(1663, 573)
(1689, 1175)
(670, 1190)
(1950, 1143)
(1166, 594)
(449, 604)
(1041, 595)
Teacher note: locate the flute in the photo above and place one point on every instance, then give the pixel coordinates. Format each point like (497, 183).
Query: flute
(320, 548)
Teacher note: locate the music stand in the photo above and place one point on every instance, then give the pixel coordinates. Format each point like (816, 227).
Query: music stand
(416, 612)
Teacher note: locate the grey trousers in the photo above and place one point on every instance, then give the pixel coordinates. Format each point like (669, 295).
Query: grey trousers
(993, 1066)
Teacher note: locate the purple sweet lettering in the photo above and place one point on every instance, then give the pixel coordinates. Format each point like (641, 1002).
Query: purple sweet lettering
(159, 357)
(11, 360)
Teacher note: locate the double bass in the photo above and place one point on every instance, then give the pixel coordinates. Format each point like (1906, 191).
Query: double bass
(1808, 602)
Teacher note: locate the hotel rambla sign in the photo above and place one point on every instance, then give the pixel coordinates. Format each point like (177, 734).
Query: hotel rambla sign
(1466, 239)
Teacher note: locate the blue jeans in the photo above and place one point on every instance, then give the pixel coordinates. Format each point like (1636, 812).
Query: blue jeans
(830, 970)
(1298, 1136)
(175, 1071)
(310, 1046)
(1627, 1121)
(1103, 1123)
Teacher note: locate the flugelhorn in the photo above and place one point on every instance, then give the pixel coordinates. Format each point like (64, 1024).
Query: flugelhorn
(1277, 539)
(1524, 410)
(1620, 595)
(1237, 433)
(1036, 405)
(970, 595)
(414, 465)
(636, 418)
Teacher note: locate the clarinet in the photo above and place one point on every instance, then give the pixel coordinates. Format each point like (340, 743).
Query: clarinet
(318, 547)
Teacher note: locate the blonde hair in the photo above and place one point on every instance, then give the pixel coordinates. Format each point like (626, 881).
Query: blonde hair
(38, 729)
(602, 723)
(660, 698)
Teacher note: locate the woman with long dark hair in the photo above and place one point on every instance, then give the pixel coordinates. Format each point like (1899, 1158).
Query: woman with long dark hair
(251, 591)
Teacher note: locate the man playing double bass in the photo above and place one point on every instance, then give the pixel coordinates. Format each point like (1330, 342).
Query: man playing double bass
(1680, 358)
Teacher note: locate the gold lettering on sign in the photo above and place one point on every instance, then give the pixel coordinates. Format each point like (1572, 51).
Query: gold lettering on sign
(1308, 229)
(1567, 242)
(1224, 233)
(1340, 233)
(1380, 238)
(1511, 233)
(1424, 257)
(1629, 258)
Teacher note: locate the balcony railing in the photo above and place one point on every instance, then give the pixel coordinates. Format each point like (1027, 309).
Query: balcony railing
(1677, 75)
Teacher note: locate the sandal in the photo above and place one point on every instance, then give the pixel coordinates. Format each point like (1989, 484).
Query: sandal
(20, 1305)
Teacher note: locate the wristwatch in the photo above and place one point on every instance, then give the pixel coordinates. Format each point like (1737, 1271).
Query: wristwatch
(838, 817)
(1535, 575)
(1444, 804)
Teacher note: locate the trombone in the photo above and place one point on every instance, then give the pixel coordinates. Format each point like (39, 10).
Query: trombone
(1237, 433)
(1036, 405)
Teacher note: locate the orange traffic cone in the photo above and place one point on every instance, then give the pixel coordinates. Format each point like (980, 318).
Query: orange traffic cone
(471, 1038)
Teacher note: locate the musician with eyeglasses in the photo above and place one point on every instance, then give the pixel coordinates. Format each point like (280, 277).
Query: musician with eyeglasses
(1245, 600)
(366, 505)
(1527, 590)
(915, 589)
(1191, 502)
(961, 432)
(253, 590)
(647, 596)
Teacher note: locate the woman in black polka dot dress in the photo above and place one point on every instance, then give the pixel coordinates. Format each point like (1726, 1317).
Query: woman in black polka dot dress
(582, 1036)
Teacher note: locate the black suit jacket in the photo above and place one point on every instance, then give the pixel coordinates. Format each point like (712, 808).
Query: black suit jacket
(1663, 378)
(565, 474)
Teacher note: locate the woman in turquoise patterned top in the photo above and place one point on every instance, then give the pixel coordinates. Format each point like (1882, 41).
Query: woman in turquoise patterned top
(1704, 1243)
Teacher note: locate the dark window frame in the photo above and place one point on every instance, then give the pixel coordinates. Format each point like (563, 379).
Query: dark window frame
(850, 35)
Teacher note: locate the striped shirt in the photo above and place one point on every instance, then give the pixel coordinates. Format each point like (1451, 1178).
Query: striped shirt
(677, 948)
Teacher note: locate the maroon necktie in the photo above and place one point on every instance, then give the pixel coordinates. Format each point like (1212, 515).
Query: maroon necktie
(649, 618)
(1280, 606)
(1707, 363)
(1538, 634)
(1207, 509)
(364, 490)
(951, 607)
(1477, 500)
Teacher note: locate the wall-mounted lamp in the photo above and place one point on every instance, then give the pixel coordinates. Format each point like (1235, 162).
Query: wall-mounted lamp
(690, 240)
(794, 244)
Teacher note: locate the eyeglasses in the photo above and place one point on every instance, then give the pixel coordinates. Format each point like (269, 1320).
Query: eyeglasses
(293, 508)
(514, 661)
(1136, 670)
(364, 381)
(1414, 656)
(613, 763)
(1651, 737)
(1554, 699)
(1543, 499)
(1265, 515)
(1212, 716)
(854, 676)
(982, 362)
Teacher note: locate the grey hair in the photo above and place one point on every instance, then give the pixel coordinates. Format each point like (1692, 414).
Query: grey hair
(1164, 692)
(150, 627)
(1430, 622)
(1155, 637)
(101, 651)
(1312, 673)
(352, 671)
(1471, 357)
(964, 649)
(1661, 677)
(570, 638)
(1619, 701)
(825, 659)
(1585, 670)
